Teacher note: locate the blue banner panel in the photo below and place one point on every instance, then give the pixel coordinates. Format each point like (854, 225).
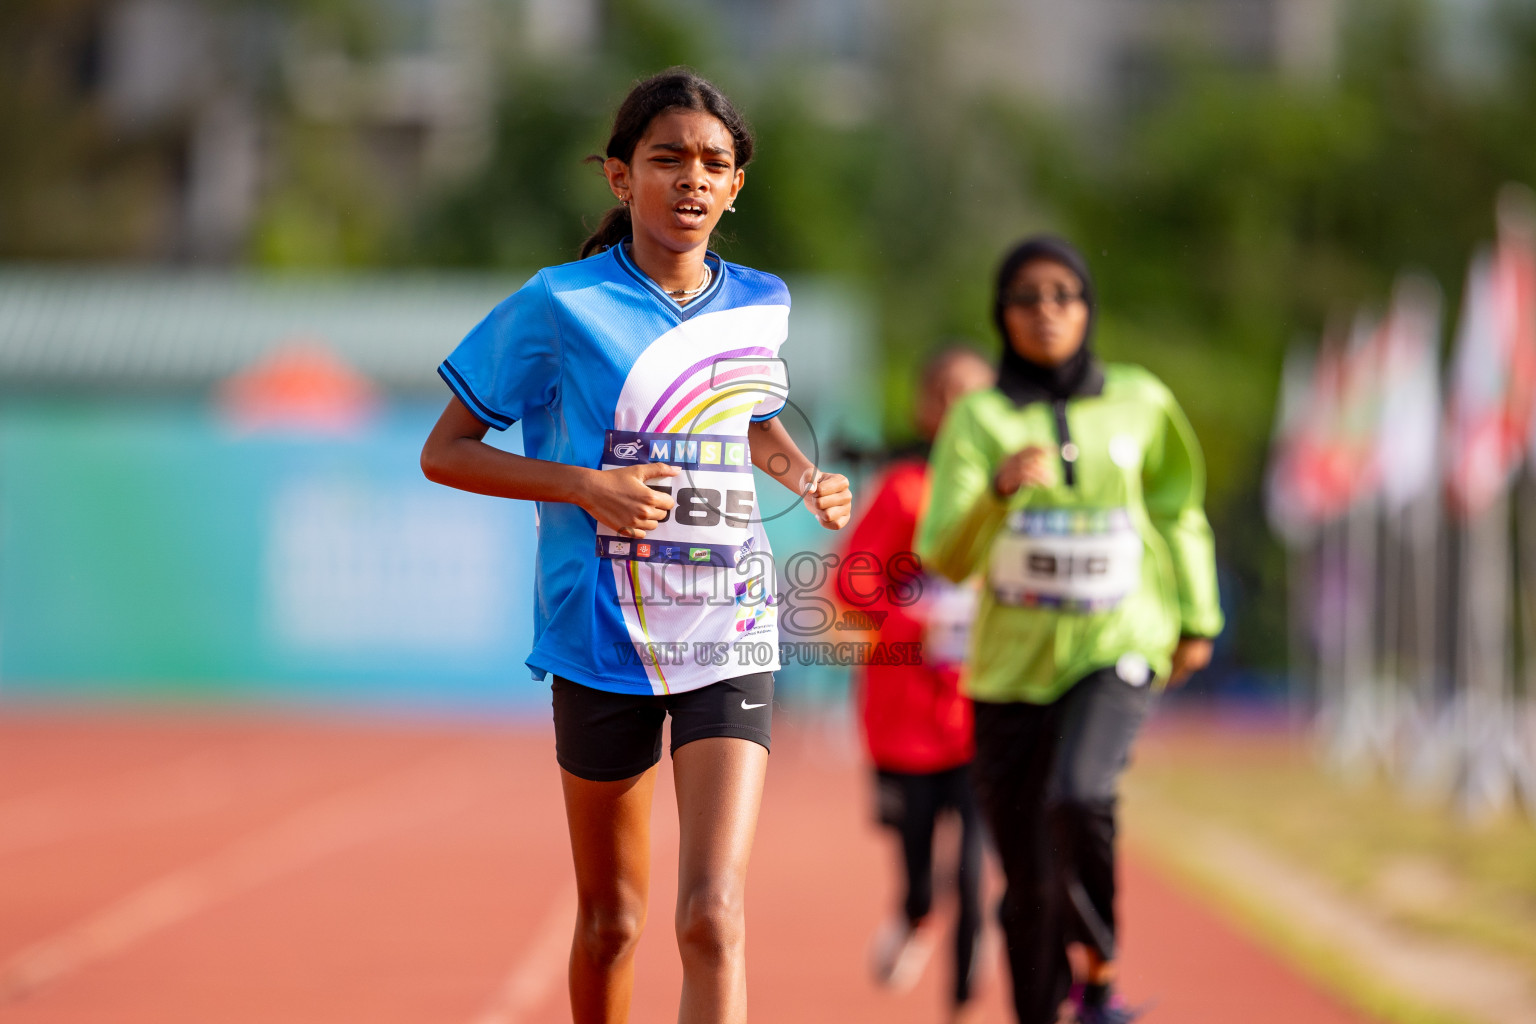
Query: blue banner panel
(147, 549)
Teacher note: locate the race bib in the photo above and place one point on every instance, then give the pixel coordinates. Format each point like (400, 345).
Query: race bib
(950, 610)
(1076, 560)
(716, 499)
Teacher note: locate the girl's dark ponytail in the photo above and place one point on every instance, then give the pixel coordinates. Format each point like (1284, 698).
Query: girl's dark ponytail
(673, 89)
(614, 228)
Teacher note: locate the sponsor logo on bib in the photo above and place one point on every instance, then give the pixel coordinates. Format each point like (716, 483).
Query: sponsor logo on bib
(714, 499)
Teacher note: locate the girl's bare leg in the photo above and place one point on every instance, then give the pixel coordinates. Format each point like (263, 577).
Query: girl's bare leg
(610, 825)
(719, 787)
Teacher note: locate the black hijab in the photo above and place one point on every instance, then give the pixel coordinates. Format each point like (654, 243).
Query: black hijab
(1023, 380)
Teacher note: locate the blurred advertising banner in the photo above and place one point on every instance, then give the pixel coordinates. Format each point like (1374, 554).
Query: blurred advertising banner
(155, 549)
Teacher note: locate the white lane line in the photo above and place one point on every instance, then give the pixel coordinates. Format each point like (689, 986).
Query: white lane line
(540, 970)
(366, 813)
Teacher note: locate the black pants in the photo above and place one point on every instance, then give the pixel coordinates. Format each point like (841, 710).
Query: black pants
(911, 804)
(1046, 778)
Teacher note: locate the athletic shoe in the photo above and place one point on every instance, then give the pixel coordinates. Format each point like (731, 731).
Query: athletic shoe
(899, 953)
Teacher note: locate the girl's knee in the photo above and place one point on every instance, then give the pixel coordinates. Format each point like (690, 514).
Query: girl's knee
(608, 935)
(711, 922)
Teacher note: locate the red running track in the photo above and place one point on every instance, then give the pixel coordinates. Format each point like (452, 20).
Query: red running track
(172, 868)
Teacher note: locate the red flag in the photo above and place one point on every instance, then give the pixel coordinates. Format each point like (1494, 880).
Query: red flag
(1493, 379)
(1325, 456)
(1353, 467)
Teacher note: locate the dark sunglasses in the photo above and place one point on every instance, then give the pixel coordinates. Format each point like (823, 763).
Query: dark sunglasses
(1029, 298)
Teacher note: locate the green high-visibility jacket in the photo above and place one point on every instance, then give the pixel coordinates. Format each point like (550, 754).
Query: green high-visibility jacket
(1129, 463)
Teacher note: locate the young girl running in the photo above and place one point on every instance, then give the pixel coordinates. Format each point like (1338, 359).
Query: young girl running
(1077, 489)
(646, 377)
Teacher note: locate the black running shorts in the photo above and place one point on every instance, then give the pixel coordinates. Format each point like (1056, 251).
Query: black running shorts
(603, 737)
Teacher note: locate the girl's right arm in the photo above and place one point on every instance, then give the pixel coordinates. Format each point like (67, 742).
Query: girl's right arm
(456, 455)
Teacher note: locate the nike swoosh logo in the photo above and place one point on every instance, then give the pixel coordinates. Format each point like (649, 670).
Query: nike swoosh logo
(748, 707)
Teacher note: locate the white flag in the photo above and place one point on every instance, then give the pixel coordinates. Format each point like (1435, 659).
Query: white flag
(1408, 432)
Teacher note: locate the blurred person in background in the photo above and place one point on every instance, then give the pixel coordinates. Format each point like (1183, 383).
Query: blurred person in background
(916, 723)
(614, 397)
(1076, 489)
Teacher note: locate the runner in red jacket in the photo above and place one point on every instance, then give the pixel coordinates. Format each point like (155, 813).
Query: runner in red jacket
(917, 726)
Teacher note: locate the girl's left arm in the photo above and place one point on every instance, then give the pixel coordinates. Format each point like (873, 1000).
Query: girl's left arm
(775, 453)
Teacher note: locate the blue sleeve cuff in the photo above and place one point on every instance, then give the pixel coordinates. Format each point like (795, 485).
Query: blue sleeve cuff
(460, 387)
(765, 417)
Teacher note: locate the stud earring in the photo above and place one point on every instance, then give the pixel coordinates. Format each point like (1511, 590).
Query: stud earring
(731, 208)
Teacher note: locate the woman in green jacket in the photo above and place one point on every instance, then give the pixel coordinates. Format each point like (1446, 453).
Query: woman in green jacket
(1076, 489)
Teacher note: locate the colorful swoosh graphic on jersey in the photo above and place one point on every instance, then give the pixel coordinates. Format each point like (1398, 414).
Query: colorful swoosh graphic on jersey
(687, 375)
(684, 421)
(714, 381)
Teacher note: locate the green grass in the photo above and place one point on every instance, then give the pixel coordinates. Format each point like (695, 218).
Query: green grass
(1419, 866)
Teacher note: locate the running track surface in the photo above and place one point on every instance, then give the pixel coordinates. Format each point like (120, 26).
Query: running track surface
(171, 868)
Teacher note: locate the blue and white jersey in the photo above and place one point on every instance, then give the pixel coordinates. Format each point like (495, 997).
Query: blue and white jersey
(604, 369)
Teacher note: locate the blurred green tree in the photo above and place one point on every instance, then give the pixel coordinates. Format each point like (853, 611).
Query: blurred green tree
(533, 202)
(69, 189)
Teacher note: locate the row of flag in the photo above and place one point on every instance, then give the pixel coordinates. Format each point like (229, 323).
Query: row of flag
(1363, 418)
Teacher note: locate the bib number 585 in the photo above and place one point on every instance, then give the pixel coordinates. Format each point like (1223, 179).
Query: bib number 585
(702, 506)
